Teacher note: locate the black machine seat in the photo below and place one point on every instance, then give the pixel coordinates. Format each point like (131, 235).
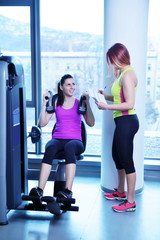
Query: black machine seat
(61, 155)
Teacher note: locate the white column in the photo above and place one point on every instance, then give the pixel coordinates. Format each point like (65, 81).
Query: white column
(125, 22)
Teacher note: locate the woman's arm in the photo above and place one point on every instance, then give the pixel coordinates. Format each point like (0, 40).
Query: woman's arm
(107, 97)
(128, 83)
(44, 117)
(88, 116)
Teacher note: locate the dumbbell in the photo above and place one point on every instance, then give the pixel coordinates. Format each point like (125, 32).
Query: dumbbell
(82, 108)
(50, 106)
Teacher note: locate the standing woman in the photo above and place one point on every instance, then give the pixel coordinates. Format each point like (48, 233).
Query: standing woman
(66, 136)
(126, 125)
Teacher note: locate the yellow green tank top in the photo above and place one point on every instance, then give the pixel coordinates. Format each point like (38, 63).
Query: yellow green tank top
(118, 96)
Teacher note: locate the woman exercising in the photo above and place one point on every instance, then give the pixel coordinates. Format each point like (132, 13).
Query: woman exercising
(66, 135)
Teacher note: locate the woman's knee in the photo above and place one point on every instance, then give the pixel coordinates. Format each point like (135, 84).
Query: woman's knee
(47, 160)
(72, 149)
(129, 168)
(50, 151)
(53, 143)
(74, 146)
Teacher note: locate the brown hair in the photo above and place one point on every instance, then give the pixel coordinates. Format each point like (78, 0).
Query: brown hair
(118, 55)
(60, 100)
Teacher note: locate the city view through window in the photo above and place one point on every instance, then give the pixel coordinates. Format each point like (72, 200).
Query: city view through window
(65, 48)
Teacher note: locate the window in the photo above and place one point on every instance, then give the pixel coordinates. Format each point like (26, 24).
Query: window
(16, 42)
(152, 127)
(72, 42)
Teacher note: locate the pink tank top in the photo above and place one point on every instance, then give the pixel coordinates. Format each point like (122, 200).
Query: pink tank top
(68, 123)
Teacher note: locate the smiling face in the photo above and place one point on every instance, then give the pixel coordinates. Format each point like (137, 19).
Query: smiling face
(68, 87)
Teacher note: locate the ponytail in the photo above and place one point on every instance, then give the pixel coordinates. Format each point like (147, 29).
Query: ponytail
(60, 100)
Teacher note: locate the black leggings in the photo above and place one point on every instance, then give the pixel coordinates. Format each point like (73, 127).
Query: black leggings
(122, 148)
(71, 148)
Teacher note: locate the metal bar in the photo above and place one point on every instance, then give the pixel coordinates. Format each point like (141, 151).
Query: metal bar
(3, 198)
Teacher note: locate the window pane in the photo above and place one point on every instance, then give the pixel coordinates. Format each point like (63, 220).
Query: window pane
(152, 114)
(15, 39)
(72, 42)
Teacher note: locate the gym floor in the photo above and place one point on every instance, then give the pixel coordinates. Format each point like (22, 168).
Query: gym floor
(95, 219)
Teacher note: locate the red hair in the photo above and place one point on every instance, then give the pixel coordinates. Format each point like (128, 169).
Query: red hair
(118, 55)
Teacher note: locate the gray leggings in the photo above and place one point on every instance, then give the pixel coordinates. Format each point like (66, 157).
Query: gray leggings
(70, 147)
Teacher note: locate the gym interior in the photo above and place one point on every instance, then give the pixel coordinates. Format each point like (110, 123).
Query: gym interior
(23, 79)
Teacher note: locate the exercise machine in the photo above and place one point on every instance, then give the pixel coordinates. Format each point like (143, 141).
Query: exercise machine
(13, 146)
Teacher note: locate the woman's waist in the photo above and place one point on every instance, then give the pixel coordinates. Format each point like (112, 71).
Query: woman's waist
(124, 113)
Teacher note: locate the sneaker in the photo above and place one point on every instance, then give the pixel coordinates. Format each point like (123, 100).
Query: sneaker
(125, 206)
(36, 192)
(66, 193)
(115, 196)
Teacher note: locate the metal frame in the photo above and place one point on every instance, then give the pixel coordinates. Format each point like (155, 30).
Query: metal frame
(3, 120)
(35, 54)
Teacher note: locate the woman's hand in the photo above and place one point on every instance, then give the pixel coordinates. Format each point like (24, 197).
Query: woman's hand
(86, 94)
(101, 92)
(46, 97)
(102, 106)
(107, 97)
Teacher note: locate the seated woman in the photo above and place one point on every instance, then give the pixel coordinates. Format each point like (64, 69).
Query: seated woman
(66, 136)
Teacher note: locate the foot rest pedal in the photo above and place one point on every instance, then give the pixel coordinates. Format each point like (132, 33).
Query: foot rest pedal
(40, 207)
(70, 208)
(66, 200)
(31, 198)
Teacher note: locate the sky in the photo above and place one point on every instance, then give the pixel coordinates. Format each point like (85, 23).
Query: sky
(80, 16)
(154, 18)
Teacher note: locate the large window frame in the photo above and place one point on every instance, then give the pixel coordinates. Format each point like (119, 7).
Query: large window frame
(35, 46)
(36, 65)
(35, 55)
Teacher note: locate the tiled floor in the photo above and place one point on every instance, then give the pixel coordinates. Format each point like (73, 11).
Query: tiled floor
(95, 219)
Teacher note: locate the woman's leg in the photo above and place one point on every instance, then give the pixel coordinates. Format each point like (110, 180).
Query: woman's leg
(51, 149)
(44, 174)
(131, 181)
(127, 130)
(70, 174)
(72, 148)
(121, 180)
(115, 155)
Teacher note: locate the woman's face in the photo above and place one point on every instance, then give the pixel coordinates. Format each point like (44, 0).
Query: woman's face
(116, 66)
(68, 87)
(112, 68)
